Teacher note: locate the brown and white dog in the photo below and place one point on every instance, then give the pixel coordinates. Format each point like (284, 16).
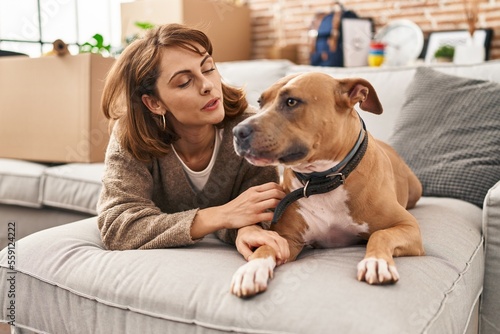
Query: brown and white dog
(346, 187)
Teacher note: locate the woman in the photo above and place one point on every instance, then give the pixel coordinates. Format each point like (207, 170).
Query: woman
(171, 174)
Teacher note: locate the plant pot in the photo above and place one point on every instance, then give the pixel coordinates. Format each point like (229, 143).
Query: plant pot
(444, 60)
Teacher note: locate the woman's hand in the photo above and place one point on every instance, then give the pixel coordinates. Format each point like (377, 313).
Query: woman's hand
(249, 208)
(252, 206)
(252, 237)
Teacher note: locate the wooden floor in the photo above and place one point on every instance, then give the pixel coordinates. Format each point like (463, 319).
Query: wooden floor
(4, 329)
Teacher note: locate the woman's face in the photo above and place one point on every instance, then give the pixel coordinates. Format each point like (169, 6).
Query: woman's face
(189, 88)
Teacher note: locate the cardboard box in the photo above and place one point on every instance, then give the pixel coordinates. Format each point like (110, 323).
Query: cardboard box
(228, 26)
(50, 108)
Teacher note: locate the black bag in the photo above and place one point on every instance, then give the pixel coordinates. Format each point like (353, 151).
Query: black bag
(327, 47)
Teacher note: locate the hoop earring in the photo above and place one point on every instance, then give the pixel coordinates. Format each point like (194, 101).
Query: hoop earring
(164, 122)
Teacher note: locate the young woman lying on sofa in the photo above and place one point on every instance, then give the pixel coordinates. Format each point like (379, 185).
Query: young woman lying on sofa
(171, 175)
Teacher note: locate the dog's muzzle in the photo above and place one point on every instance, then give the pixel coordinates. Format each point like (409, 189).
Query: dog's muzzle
(243, 134)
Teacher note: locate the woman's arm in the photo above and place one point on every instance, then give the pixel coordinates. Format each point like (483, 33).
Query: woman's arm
(250, 237)
(129, 219)
(127, 216)
(249, 208)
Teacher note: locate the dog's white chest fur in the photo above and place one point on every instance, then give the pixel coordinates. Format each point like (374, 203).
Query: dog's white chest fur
(328, 218)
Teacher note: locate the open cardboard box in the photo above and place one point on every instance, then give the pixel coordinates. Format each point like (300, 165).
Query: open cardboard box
(50, 108)
(227, 25)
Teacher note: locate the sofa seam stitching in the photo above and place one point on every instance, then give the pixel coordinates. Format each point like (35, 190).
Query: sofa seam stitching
(453, 286)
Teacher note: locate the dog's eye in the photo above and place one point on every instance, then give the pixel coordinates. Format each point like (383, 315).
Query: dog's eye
(291, 102)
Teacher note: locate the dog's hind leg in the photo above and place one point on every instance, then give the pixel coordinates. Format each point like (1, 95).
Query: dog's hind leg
(414, 190)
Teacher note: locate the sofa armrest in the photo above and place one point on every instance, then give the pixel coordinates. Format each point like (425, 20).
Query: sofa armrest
(490, 304)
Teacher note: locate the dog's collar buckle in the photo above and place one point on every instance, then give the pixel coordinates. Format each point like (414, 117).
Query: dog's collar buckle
(342, 176)
(329, 176)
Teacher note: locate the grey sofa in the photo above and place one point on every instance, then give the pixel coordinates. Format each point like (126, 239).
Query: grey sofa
(36, 196)
(64, 281)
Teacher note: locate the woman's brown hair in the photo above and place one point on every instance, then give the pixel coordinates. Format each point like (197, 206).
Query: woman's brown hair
(135, 73)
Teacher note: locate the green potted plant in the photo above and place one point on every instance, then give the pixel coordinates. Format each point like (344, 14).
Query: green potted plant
(143, 26)
(444, 53)
(96, 45)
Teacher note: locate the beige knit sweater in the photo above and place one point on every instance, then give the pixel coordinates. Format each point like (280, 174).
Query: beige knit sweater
(152, 205)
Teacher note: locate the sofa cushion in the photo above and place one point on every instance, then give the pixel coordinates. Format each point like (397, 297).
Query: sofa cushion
(20, 182)
(74, 186)
(254, 76)
(448, 134)
(490, 306)
(65, 271)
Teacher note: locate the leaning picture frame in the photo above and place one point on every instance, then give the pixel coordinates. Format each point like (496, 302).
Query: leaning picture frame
(457, 37)
(356, 36)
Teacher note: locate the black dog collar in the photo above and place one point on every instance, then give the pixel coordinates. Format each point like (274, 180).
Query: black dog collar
(323, 182)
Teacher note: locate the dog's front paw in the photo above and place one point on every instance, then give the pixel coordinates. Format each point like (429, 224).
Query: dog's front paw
(251, 278)
(377, 271)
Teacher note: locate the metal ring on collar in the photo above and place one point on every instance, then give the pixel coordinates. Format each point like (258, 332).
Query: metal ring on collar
(305, 189)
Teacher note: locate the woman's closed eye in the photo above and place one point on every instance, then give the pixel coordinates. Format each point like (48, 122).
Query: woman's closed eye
(189, 79)
(210, 70)
(185, 84)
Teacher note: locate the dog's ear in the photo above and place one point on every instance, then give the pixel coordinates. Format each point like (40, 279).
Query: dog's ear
(359, 90)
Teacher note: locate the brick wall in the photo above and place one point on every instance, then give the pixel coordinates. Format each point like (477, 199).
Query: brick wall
(286, 22)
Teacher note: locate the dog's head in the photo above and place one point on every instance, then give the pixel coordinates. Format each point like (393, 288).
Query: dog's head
(306, 121)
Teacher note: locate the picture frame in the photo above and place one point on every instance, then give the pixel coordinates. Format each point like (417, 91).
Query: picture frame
(457, 37)
(356, 36)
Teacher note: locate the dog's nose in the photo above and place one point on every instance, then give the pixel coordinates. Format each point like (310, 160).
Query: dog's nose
(243, 132)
